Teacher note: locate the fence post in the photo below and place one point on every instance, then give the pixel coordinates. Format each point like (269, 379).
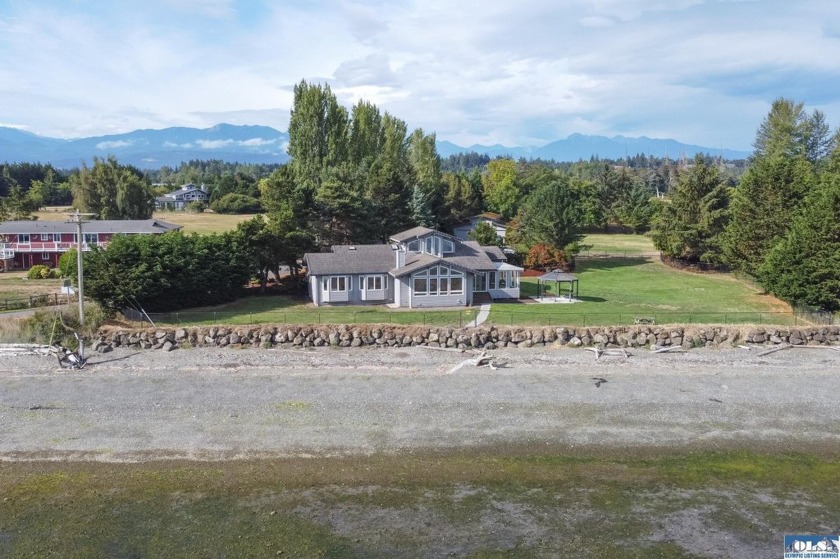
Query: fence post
(319, 318)
(584, 321)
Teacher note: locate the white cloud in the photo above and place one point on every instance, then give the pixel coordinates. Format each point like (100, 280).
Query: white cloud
(256, 142)
(214, 144)
(473, 71)
(116, 144)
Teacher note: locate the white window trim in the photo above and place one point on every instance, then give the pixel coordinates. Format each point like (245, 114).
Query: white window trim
(347, 281)
(383, 281)
(24, 238)
(447, 275)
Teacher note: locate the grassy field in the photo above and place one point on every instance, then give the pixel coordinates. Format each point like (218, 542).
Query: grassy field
(617, 290)
(613, 291)
(16, 290)
(202, 223)
(288, 310)
(473, 505)
(618, 244)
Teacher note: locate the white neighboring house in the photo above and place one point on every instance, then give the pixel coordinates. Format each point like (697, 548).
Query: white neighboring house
(420, 268)
(178, 199)
(462, 230)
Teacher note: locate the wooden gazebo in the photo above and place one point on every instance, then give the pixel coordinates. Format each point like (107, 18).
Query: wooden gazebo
(559, 278)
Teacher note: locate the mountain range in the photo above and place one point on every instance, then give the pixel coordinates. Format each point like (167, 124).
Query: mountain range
(151, 149)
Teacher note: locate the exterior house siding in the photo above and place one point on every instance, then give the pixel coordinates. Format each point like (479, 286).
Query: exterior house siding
(354, 295)
(419, 258)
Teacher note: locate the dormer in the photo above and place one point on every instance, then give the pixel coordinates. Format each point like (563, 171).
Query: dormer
(422, 240)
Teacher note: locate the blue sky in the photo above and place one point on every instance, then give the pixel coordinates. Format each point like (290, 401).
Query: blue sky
(522, 72)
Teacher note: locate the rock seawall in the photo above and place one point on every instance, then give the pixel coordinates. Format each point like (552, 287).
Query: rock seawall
(461, 338)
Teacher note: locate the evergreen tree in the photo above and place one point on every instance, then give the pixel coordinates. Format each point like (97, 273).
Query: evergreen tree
(553, 215)
(763, 207)
(804, 267)
(773, 188)
(693, 217)
(342, 212)
(485, 235)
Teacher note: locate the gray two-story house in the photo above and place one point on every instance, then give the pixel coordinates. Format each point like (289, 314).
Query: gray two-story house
(419, 268)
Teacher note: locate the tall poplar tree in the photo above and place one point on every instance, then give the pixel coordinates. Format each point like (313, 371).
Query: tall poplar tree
(112, 191)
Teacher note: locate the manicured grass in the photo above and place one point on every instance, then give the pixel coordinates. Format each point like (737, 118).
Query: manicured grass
(202, 223)
(612, 292)
(618, 245)
(616, 291)
(287, 310)
(419, 504)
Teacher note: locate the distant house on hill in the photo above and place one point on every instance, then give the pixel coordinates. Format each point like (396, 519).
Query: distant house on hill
(24, 244)
(178, 199)
(462, 230)
(420, 268)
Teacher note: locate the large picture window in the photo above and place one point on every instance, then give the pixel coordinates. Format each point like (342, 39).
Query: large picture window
(338, 283)
(375, 283)
(438, 280)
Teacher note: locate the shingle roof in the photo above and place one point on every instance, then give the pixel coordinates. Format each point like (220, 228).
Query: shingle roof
(413, 233)
(495, 253)
(363, 259)
(471, 256)
(114, 226)
(414, 263)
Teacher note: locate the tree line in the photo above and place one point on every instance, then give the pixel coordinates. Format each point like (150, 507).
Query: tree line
(358, 175)
(781, 224)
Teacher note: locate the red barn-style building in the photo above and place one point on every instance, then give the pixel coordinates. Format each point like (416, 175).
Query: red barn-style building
(24, 244)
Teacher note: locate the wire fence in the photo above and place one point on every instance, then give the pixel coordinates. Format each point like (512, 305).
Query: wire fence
(462, 318)
(45, 300)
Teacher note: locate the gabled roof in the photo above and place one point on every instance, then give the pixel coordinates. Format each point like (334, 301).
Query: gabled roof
(342, 259)
(416, 262)
(413, 233)
(113, 226)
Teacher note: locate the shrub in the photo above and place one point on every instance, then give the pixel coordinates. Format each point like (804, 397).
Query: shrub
(67, 264)
(544, 257)
(39, 271)
(236, 204)
(49, 325)
(196, 206)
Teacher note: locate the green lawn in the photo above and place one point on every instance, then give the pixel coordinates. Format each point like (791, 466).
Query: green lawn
(280, 309)
(616, 291)
(613, 291)
(618, 244)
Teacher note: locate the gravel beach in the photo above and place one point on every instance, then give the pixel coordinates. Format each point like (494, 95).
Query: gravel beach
(211, 404)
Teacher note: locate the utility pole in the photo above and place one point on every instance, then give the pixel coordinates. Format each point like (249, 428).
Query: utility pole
(77, 219)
